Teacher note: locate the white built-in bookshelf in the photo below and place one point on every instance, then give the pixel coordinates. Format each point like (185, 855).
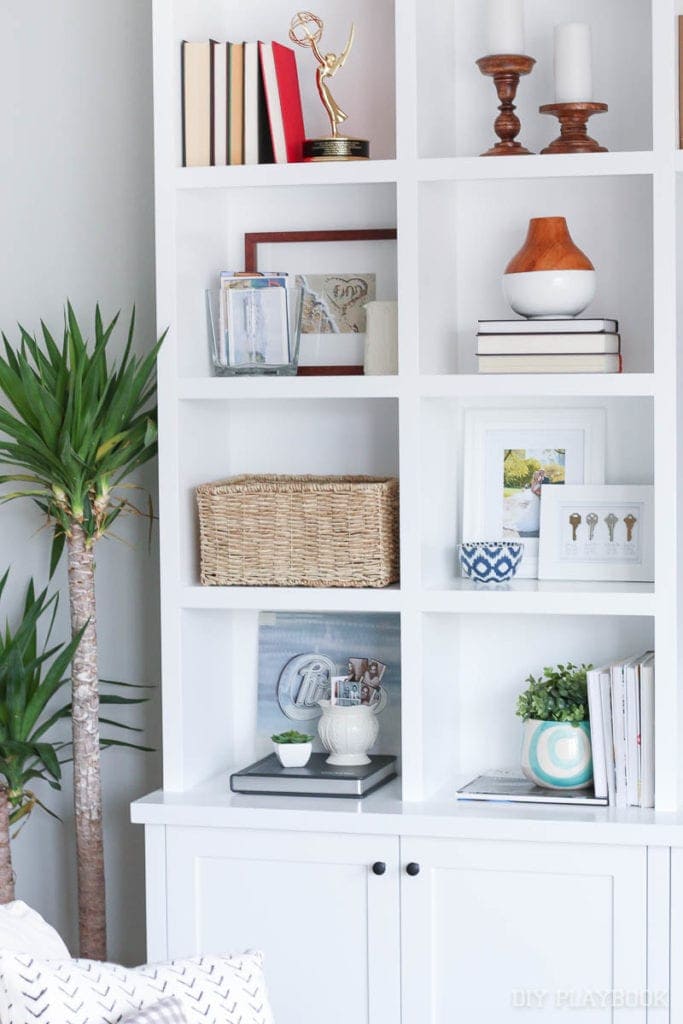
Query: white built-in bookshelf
(412, 88)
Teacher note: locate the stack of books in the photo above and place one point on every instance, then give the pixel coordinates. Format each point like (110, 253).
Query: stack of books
(241, 104)
(549, 346)
(621, 701)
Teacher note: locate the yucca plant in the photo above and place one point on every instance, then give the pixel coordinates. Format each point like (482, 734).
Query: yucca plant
(78, 426)
(30, 678)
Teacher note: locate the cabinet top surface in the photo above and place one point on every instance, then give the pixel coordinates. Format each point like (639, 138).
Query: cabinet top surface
(383, 813)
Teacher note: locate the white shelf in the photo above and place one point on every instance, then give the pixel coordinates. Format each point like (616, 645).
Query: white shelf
(354, 172)
(475, 168)
(550, 384)
(341, 599)
(211, 804)
(625, 385)
(457, 597)
(222, 388)
(534, 597)
(426, 169)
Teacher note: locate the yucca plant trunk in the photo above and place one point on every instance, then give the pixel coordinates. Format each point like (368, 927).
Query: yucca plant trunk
(6, 872)
(86, 749)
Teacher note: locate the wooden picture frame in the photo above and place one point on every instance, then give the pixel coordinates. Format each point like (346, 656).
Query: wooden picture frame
(254, 239)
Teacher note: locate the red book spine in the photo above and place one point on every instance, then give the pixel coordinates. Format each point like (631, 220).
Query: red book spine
(284, 107)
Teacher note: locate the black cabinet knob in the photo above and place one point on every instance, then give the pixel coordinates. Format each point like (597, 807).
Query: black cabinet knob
(379, 867)
(413, 869)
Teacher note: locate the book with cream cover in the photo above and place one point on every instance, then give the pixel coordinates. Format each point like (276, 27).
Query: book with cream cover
(547, 344)
(197, 97)
(550, 364)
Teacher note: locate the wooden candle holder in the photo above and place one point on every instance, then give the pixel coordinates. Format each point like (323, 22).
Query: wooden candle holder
(573, 118)
(506, 71)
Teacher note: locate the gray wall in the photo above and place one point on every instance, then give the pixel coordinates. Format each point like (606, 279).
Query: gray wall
(76, 220)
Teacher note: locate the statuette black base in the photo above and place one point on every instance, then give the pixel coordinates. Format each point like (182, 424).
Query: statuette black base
(336, 149)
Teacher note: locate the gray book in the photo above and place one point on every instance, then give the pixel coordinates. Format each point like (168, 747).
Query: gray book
(518, 789)
(317, 778)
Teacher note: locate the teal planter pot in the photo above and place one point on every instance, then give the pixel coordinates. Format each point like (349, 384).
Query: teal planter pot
(557, 755)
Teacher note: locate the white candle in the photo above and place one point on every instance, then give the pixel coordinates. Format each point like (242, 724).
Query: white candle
(381, 338)
(573, 63)
(505, 26)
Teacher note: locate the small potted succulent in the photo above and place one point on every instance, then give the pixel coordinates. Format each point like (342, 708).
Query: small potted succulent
(293, 748)
(556, 749)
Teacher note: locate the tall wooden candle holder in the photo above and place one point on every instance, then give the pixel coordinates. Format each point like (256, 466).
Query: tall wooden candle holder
(506, 71)
(573, 118)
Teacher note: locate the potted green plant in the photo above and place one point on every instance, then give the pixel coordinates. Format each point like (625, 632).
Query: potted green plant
(556, 749)
(74, 426)
(293, 748)
(33, 675)
(30, 677)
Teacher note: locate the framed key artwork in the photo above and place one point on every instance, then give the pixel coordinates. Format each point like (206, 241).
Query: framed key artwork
(597, 533)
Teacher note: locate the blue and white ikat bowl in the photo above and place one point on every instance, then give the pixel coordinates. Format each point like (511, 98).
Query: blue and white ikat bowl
(557, 755)
(490, 561)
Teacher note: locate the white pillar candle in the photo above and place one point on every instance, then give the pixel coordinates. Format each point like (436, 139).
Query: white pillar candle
(573, 63)
(381, 339)
(505, 20)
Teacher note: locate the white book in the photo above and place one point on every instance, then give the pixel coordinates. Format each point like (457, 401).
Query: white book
(619, 730)
(197, 123)
(647, 730)
(573, 326)
(277, 125)
(562, 363)
(597, 734)
(252, 129)
(509, 787)
(220, 103)
(547, 344)
(632, 686)
(608, 732)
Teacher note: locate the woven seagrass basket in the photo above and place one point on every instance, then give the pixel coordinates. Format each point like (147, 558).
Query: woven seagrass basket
(299, 531)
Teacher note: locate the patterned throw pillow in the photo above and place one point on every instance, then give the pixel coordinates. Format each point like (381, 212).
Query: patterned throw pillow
(211, 990)
(168, 1011)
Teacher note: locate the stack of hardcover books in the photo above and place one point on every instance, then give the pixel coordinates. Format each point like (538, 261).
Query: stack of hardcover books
(621, 701)
(549, 346)
(241, 104)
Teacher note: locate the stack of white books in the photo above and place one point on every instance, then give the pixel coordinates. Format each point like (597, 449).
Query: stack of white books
(621, 703)
(549, 346)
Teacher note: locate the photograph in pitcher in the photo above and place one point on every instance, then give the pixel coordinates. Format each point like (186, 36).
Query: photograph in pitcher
(300, 654)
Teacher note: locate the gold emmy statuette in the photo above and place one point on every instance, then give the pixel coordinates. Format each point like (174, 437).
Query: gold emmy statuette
(306, 29)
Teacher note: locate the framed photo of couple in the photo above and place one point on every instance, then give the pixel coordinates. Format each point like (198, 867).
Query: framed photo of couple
(511, 455)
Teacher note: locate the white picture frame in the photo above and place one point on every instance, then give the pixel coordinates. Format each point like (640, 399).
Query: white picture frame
(578, 432)
(591, 547)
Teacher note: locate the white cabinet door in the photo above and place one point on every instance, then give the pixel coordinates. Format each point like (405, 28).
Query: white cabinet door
(492, 928)
(327, 923)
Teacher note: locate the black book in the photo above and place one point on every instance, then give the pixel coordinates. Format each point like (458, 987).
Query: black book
(572, 325)
(317, 778)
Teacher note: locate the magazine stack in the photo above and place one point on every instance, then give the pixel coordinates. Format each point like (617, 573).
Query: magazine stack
(621, 700)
